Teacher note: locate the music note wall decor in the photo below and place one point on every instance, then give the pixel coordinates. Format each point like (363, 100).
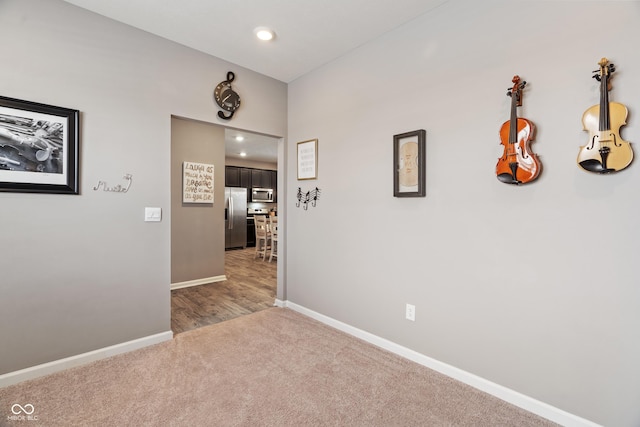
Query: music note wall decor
(310, 196)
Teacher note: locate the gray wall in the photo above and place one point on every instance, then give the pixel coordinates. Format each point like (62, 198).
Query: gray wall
(80, 273)
(535, 287)
(556, 319)
(197, 229)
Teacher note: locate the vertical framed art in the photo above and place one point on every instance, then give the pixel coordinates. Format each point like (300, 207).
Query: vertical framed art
(197, 182)
(308, 159)
(38, 147)
(409, 174)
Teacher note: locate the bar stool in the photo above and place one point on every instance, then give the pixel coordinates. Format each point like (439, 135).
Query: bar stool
(273, 229)
(263, 238)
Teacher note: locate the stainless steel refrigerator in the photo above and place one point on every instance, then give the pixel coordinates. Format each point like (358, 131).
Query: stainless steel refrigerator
(235, 217)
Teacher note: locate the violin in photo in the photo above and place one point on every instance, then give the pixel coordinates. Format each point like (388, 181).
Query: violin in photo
(518, 164)
(606, 151)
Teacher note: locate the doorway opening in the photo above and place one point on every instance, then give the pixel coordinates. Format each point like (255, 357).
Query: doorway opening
(250, 283)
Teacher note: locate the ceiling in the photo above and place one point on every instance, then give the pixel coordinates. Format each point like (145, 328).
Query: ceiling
(257, 148)
(309, 34)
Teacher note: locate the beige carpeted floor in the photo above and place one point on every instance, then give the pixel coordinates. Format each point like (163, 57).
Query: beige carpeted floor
(275, 367)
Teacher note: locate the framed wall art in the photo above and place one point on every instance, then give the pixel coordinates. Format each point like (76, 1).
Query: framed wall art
(308, 159)
(38, 147)
(409, 164)
(197, 182)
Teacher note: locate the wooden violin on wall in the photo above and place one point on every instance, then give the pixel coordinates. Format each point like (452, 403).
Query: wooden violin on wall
(606, 152)
(518, 164)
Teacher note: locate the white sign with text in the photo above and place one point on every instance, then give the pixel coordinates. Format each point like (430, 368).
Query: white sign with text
(197, 183)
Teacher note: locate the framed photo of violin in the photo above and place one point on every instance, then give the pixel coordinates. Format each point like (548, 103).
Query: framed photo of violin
(409, 155)
(38, 147)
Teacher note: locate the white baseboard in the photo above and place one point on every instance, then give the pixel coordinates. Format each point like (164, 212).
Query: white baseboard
(518, 399)
(81, 359)
(198, 282)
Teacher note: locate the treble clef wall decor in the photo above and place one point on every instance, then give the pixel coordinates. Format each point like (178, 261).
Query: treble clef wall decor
(226, 97)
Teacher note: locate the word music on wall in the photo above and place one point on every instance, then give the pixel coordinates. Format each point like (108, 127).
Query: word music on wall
(119, 188)
(197, 183)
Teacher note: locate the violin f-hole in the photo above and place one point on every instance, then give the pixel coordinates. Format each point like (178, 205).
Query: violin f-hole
(615, 140)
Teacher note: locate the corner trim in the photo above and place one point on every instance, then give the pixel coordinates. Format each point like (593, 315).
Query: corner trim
(197, 282)
(81, 359)
(511, 396)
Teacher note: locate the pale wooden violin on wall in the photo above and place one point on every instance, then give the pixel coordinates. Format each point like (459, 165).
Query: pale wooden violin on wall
(606, 151)
(518, 164)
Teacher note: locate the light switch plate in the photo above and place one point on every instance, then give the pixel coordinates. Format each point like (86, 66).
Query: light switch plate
(152, 214)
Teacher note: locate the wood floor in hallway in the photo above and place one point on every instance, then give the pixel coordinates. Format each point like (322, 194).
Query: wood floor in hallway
(250, 287)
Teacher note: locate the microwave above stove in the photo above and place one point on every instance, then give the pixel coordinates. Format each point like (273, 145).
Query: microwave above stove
(262, 195)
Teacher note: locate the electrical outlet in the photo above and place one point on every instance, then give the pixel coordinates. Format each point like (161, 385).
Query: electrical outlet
(411, 312)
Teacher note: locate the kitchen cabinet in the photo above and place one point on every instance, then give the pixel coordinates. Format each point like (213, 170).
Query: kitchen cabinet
(248, 178)
(261, 178)
(232, 177)
(245, 179)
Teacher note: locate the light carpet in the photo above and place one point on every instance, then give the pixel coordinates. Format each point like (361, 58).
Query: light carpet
(275, 367)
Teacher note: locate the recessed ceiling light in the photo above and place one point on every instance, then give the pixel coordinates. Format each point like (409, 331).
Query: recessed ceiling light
(264, 33)
(239, 138)
(243, 154)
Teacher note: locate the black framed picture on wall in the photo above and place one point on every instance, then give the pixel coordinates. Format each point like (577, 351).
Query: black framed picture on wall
(38, 147)
(409, 174)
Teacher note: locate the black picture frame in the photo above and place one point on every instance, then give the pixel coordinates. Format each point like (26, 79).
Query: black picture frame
(409, 163)
(39, 147)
